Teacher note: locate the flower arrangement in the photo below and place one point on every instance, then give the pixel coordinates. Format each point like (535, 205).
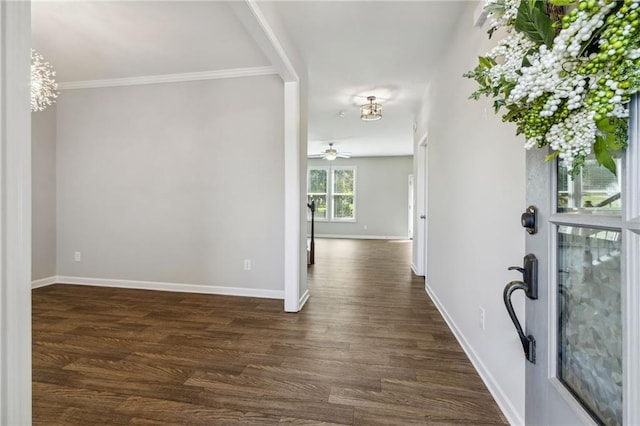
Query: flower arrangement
(565, 72)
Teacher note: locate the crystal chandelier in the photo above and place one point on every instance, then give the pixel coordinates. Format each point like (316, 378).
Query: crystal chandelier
(44, 89)
(371, 111)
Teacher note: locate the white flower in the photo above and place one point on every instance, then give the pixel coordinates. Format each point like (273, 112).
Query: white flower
(510, 12)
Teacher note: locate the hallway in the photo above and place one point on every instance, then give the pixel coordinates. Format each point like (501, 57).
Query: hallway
(368, 349)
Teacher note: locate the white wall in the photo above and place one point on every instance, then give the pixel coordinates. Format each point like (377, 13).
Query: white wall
(382, 200)
(476, 193)
(174, 183)
(43, 176)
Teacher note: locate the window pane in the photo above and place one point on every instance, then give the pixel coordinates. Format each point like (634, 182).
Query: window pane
(317, 181)
(590, 319)
(343, 181)
(343, 206)
(321, 206)
(595, 190)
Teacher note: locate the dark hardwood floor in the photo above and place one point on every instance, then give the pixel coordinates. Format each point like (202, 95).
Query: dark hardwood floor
(369, 348)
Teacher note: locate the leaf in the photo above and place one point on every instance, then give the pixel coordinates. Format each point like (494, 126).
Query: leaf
(562, 2)
(533, 22)
(606, 125)
(485, 62)
(544, 25)
(551, 156)
(603, 155)
(613, 144)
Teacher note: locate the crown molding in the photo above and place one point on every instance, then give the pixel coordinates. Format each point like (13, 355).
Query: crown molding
(169, 78)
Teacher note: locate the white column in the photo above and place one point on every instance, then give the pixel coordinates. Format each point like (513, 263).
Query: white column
(15, 214)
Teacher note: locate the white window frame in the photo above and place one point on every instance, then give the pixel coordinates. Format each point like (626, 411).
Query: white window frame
(326, 194)
(330, 193)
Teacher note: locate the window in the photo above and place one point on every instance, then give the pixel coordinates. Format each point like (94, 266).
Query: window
(595, 189)
(333, 190)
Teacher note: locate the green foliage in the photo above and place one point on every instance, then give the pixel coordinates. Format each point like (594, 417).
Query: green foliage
(605, 65)
(603, 155)
(532, 20)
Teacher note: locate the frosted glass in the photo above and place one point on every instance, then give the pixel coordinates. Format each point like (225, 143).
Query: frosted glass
(590, 320)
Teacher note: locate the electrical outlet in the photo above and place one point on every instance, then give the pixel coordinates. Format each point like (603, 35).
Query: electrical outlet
(481, 317)
(247, 265)
(77, 256)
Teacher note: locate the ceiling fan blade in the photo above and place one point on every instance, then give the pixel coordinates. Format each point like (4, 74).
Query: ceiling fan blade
(344, 155)
(316, 155)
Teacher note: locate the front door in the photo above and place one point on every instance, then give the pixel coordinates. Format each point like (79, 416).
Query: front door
(586, 320)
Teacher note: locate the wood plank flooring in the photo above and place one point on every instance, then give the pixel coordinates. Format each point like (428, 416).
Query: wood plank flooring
(368, 349)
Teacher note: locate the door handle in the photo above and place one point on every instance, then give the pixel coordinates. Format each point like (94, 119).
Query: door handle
(422, 216)
(529, 285)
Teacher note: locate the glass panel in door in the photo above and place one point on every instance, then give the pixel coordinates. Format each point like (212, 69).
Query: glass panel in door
(594, 191)
(589, 349)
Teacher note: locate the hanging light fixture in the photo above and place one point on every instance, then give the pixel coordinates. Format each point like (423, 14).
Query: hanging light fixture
(371, 111)
(44, 89)
(331, 153)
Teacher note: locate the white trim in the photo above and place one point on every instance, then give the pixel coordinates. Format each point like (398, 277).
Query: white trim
(169, 78)
(303, 299)
(292, 198)
(415, 269)
(15, 214)
(363, 237)
(501, 398)
(43, 282)
(570, 400)
(176, 287)
(258, 26)
(631, 273)
(631, 329)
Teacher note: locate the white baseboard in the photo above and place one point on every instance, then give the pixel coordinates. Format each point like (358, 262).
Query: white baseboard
(43, 282)
(177, 287)
(509, 411)
(363, 237)
(303, 299)
(415, 270)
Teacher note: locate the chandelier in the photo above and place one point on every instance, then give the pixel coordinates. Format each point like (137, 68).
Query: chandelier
(371, 111)
(44, 89)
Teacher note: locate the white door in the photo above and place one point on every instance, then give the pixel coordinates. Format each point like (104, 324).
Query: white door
(586, 319)
(419, 261)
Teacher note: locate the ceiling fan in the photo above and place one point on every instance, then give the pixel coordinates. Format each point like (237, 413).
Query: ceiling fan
(331, 154)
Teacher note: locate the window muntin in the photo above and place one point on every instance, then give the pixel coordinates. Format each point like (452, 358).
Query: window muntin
(595, 190)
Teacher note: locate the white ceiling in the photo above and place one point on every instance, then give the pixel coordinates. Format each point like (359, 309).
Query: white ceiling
(352, 49)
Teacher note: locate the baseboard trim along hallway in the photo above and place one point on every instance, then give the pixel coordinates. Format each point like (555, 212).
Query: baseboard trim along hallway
(161, 286)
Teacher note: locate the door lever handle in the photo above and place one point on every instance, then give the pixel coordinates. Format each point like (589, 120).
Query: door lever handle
(529, 285)
(528, 342)
(529, 273)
